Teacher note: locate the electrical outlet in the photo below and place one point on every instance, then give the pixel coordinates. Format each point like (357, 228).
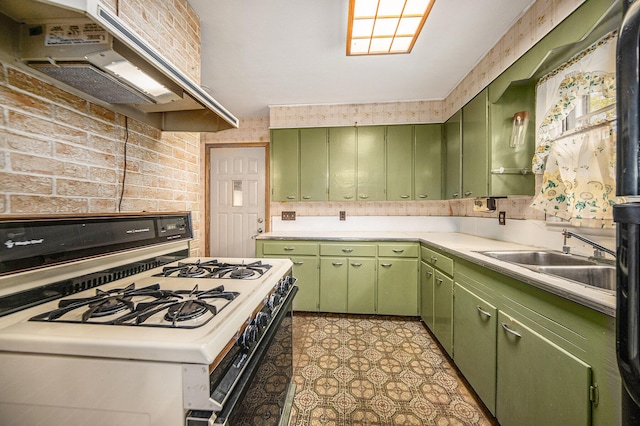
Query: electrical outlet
(343, 215)
(288, 215)
(502, 218)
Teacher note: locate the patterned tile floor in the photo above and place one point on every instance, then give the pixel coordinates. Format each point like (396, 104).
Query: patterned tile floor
(376, 370)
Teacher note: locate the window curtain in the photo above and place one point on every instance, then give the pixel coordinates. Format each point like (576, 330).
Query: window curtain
(578, 170)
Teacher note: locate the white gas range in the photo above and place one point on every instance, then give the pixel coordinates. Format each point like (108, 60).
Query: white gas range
(142, 335)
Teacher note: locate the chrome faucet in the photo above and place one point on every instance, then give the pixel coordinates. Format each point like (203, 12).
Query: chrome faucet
(598, 250)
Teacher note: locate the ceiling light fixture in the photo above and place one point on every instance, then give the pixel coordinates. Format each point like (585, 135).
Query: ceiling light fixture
(380, 27)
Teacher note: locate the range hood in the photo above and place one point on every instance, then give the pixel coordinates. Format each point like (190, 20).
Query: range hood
(82, 47)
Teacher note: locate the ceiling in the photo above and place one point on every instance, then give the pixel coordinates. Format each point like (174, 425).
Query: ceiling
(257, 53)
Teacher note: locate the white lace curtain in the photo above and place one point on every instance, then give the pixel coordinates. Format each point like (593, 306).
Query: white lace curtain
(578, 169)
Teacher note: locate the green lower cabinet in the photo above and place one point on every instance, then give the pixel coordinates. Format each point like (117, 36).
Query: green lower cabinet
(397, 286)
(443, 310)
(305, 269)
(474, 339)
(361, 286)
(334, 273)
(538, 383)
(426, 294)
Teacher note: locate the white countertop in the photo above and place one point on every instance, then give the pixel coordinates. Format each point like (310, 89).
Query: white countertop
(465, 246)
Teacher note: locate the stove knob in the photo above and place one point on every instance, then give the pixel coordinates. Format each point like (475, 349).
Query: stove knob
(274, 300)
(249, 336)
(262, 319)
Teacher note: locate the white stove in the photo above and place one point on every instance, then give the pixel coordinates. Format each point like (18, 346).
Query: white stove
(165, 345)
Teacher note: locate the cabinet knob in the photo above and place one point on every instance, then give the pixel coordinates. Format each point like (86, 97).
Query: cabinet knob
(423, 196)
(386, 265)
(289, 248)
(306, 197)
(336, 263)
(439, 280)
(364, 197)
(356, 265)
(468, 193)
(433, 259)
(291, 197)
(348, 197)
(398, 250)
(404, 196)
(429, 273)
(298, 263)
(347, 250)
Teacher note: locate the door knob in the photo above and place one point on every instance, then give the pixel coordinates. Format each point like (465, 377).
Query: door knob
(260, 220)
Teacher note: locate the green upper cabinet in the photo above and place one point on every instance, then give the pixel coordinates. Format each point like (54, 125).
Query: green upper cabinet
(510, 167)
(313, 164)
(399, 163)
(371, 163)
(284, 165)
(453, 151)
(475, 120)
(342, 163)
(427, 162)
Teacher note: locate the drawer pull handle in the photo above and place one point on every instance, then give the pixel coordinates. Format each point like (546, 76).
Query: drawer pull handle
(434, 259)
(386, 265)
(291, 197)
(404, 196)
(356, 265)
(466, 194)
(423, 196)
(508, 330)
(429, 273)
(306, 197)
(298, 263)
(348, 197)
(398, 250)
(289, 248)
(483, 312)
(455, 195)
(363, 196)
(347, 250)
(336, 263)
(439, 280)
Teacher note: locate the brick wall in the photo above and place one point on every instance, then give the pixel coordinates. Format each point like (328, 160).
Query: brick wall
(62, 154)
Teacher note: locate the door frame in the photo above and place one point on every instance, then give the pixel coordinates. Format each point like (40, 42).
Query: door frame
(207, 185)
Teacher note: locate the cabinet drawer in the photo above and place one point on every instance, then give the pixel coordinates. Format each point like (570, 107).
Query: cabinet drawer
(398, 250)
(290, 248)
(346, 249)
(438, 260)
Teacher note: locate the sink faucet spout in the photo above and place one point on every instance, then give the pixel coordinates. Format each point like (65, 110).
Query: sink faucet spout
(598, 249)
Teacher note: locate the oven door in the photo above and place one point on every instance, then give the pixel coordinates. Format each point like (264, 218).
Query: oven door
(263, 394)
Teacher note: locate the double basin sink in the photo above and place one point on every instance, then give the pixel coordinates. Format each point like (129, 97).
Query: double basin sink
(581, 269)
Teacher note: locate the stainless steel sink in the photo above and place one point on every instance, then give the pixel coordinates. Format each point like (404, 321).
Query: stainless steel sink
(600, 276)
(538, 258)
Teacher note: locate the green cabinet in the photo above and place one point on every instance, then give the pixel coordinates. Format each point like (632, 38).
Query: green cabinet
(313, 164)
(452, 131)
(361, 288)
(440, 284)
(299, 164)
(538, 382)
(427, 162)
(474, 340)
(398, 286)
(475, 125)
(399, 163)
(284, 165)
(304, 255)
(371, 163)
(427, 274)
(342, 163)
(334, 275)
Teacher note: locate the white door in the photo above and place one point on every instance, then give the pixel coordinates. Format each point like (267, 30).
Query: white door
(237, 200)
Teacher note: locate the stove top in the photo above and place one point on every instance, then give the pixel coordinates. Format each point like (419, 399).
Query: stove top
(216, 269)
(150, 316)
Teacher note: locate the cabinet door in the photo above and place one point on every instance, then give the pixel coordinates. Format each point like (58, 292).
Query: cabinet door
(474, 340)
(371, 164)
(426, 294)
(427, 162)
(333, 284)
(305, 269)
(397, 286)
(475, 163)
(342, 163)
(284, 165)
(313, 164)
(443, 310)
(539, 383)
(361, 293)
(453, 145)
(399, 163)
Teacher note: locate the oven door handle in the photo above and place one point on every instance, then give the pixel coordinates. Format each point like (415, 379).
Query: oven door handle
(254, 363)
